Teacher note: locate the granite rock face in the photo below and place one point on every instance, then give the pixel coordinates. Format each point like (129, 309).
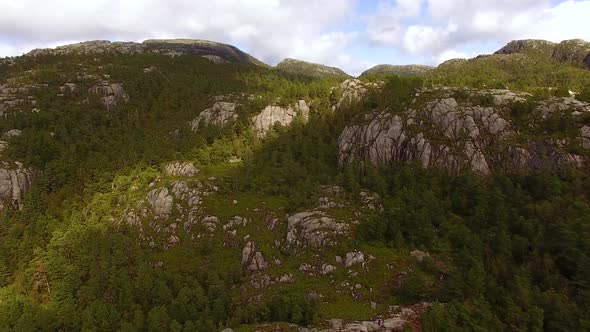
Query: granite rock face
(183, 169)
(352, 91)
(314, 229)
(284, 116)
(110, 94)
(218, 115)
(15, 182)
(443, 133)
(574, 51)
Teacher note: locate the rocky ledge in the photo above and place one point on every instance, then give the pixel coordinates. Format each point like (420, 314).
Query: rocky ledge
(455, 134)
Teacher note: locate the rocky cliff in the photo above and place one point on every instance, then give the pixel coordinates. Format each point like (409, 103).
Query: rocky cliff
(442, 130)
(213, 51)
(574, 51)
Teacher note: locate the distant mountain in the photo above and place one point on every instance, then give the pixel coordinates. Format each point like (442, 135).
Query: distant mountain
(574, 51)
(215, 52)
(309, 69)
(400, 70)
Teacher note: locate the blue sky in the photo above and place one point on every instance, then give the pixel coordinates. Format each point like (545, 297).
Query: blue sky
(351, 34)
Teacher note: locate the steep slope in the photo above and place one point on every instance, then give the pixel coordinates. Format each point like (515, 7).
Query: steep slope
(573, 51)
(215, 52)
(147, 191)
(304, 68)
(400, 70)
(441, 130)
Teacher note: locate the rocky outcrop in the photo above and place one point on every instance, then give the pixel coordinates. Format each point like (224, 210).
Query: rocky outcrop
(352, 91)
(253, 260)
(110, 95)
(218, 115)
(304, 68)
(314, 229)
(183, 169)
(12, 133)
(574, 51)
(284, 116)
(215, 52)
(160, 201)
(399, 70)
(539, 46)
(444, 134)
(354, 258)
(15, 182)
(19, 97)
(397, 319)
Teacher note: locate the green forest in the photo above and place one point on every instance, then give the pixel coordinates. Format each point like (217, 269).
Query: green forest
(506, 252)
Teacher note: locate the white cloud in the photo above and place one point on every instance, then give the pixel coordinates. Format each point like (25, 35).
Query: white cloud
(269, 29)
(567, 20)
(450, 24)
(451, 54)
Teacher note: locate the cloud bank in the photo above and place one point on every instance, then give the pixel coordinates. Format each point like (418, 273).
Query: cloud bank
(325, 31)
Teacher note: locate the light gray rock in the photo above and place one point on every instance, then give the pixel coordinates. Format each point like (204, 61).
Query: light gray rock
(354, 258)
(314, 229)
(444, 134)
(12, 133)
(328, 269)
(252, 260)
(419, 255)
(218, 115)
(15, 182)
(216, 59)
(284, 116)
(353, 91)
(184, 169)
(110, 95)
(160, 202)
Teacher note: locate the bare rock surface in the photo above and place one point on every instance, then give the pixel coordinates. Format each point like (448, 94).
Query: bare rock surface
(15, 181)
(284, 116)
(110, 94)
(218, 115)
(314, 229)
(183, 169)
(444, 133)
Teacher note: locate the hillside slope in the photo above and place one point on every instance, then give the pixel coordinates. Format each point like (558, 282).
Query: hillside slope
(147, 192)
(304, 68)
(400, 70)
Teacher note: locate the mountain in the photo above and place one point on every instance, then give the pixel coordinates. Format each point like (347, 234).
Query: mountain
(299, 67)
(575, 51)
(215, 52)
(401, 70)
(145, 191)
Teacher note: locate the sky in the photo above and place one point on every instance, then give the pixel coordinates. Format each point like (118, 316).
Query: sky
(351, 34)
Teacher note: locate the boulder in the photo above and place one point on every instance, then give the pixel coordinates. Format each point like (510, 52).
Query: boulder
(283, 116)
(314, 229)
(354, 258)
(183, 169)
(328, 269)
(252, 260)
(218, 115)
(160, 202)
(12, 133)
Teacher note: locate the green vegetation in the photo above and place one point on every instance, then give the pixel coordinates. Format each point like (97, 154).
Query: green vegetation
(508, 252)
